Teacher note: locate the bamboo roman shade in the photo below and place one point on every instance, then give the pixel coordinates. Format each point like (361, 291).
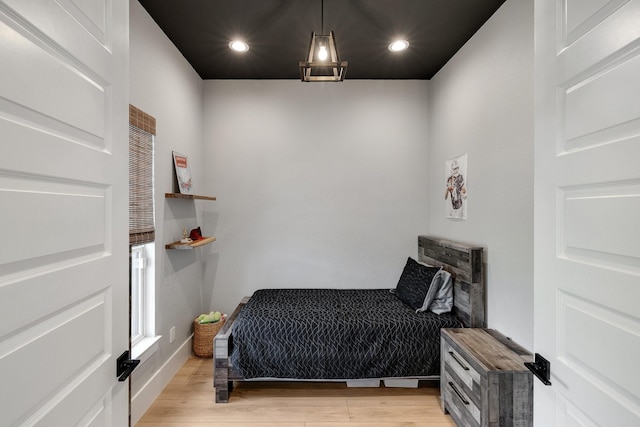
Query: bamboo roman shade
(142, 128)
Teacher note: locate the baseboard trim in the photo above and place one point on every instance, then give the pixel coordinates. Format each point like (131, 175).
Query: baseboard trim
(150, 391)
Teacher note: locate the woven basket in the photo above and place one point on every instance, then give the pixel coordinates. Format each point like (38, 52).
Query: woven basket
(203, 337)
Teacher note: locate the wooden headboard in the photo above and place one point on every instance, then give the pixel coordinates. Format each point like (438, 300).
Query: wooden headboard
(465, 264)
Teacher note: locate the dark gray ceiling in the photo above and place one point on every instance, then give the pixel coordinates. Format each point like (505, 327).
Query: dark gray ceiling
(278, 33)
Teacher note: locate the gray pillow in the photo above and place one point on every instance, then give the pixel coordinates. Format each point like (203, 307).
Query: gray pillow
(439, 298)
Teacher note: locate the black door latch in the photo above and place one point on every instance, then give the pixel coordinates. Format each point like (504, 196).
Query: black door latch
(124, 366)
(541, 368)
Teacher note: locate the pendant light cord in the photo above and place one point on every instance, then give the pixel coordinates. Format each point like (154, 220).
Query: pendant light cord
(322, 15)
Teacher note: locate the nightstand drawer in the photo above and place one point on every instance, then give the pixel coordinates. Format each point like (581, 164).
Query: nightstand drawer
(462, 369)
(458, 401)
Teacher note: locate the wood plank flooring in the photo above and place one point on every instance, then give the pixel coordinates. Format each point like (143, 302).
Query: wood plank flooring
(188, 401)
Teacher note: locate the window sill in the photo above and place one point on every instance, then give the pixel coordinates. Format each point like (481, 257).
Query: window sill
(144, 349)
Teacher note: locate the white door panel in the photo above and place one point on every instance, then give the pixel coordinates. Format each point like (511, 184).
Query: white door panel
(64, 199)
(60, 24)
(72, 218)
(33, 348)
(596, 103)
(622, 146)
(20, 283)
(606, 35)
(596, 223)
(74, 95)
(587, 185)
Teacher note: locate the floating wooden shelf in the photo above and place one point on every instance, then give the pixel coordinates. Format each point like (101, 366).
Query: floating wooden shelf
(194, 244)
(187, 196)
(190, 245)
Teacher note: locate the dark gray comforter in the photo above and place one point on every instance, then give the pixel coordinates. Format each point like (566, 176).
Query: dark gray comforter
(335, 334)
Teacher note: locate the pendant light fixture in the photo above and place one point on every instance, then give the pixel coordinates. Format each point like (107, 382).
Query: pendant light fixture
(323, 62)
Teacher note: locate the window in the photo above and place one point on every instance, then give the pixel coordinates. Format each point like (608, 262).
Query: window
(141, 234)
(142, 293)
(138, 262)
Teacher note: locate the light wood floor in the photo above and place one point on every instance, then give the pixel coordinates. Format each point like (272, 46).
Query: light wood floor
(188, 401)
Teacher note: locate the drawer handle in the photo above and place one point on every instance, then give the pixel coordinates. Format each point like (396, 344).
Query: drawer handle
(465, 367)
(455, 389)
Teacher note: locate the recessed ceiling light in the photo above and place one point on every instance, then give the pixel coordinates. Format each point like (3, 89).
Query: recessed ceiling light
(398, 45)
(238, 46)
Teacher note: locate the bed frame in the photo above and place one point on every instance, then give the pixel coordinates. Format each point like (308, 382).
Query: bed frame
(463, 261)
(466, 265)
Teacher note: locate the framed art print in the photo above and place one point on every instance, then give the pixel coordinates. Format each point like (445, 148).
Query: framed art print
(456, 193)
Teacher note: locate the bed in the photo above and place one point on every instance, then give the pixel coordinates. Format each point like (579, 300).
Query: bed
(355, 335)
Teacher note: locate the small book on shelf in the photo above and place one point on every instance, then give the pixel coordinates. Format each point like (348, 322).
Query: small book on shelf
(183, 181)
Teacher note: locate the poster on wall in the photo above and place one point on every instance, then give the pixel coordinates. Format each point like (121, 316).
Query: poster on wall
(455, 195)
(183, 174)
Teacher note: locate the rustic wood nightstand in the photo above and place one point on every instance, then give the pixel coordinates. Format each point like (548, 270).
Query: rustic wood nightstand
(483, 380)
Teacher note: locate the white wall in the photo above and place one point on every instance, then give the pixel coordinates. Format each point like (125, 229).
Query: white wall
(318, 184)
(481, 103)
(164, 85)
